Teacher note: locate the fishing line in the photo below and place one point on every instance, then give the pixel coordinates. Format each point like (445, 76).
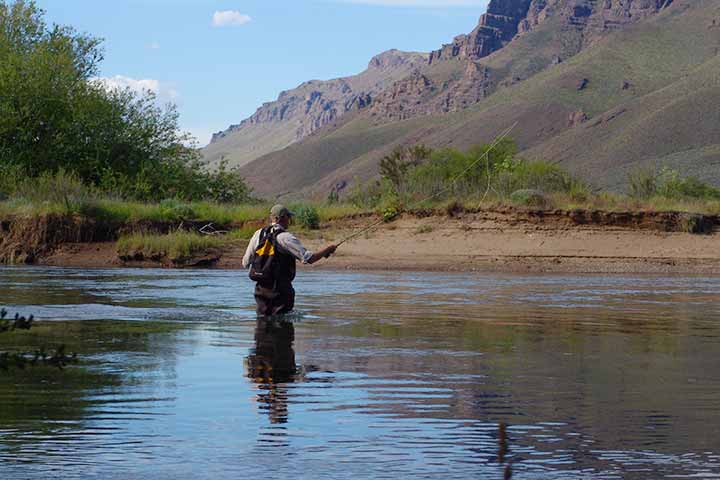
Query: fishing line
(457, 177)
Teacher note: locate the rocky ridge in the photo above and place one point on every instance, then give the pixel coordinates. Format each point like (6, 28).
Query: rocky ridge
(588, 20)
(316, 103)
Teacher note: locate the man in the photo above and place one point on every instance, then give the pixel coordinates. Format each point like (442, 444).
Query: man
(280, 250)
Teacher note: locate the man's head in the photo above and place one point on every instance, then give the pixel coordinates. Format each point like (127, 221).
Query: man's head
(281, 215)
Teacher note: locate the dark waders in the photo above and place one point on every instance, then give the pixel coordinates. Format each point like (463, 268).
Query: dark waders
(274, 271)
(274, 301)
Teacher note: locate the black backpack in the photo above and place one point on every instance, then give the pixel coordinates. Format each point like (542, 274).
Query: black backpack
(263, 268)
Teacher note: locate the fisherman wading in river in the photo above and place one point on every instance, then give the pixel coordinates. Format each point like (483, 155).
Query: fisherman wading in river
(271, 257)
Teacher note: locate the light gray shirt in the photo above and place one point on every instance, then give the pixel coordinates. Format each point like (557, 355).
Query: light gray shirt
(286, 241)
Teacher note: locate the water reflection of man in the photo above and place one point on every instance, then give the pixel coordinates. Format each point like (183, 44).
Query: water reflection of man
(271, 364)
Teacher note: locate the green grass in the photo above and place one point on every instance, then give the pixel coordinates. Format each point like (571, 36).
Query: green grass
(244, 233)
(121, 211)
(173, 246)
(170, 210)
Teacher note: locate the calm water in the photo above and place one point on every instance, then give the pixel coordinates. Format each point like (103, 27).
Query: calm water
(380, 376)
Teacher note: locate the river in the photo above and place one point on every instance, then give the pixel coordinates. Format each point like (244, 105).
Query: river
(378, 375)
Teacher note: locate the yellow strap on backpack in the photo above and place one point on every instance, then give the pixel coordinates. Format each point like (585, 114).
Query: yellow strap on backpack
(267, 249)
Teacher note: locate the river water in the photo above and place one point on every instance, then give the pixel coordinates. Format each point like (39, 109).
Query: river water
(406, 375)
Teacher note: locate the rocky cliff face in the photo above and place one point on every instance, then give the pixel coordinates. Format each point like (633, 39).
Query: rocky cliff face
(418, 94)
(594, 17)
(495, 29)
(316, 103)
(472, 81)
(507, 18)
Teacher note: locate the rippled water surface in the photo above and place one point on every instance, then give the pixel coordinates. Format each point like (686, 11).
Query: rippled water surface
(418, 375)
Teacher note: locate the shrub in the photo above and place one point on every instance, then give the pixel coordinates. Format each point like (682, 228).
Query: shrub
(371, 195)
(646, 183)
(529, 198)
(672, 185)
(11, 175)
(643, 183)
(394, 167)
(175, 210)
(389, 213)
(307, 216)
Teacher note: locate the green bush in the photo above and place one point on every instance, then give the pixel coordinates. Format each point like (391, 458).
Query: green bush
(394, 167)
(643, 183)
(307, 216)
(672, 185)
(172, 209)
(453, 174)
(369, 196)
(390, 212)
(529, 198)
(647, 182)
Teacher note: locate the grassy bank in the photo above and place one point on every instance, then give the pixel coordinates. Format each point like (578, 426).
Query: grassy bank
(173, 247)
(120, 211)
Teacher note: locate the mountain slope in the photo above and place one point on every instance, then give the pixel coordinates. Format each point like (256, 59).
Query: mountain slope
(302, 111)
(609, 105)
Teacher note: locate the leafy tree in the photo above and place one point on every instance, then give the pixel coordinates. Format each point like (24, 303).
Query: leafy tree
(43, 84)
(55, 114)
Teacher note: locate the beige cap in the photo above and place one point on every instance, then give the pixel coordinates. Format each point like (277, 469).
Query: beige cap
(279, 210)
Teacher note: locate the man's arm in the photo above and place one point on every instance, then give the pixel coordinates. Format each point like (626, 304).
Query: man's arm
(324, 253)
(292, 245)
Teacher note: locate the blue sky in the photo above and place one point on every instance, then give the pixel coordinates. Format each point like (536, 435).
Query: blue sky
(219, 60)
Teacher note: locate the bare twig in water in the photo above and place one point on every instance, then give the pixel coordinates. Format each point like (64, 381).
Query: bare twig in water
(502, 442)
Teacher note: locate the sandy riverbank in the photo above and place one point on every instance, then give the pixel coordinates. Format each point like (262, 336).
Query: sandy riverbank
(485, 241)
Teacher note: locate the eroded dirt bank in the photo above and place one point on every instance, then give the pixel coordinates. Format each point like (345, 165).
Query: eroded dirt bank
(499, 240)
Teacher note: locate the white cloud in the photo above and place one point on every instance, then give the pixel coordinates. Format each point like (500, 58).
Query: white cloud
(153, 46)
(164, 92)
(422, 3)
(229, 18)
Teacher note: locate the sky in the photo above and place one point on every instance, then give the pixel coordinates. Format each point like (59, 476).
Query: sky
(219, 60)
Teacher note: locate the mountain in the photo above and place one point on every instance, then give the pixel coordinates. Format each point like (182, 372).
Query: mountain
(599, 86)
(300, 112)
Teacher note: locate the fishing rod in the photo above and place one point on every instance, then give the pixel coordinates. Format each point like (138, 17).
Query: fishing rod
(502, 136)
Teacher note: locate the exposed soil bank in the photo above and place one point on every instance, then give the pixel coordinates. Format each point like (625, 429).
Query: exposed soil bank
(499, 240)
(31, 240)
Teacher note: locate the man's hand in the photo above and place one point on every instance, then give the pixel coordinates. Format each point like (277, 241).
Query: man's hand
(329, 250)
(324, 253)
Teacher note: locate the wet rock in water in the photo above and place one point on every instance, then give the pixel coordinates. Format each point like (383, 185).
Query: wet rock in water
(529, 197)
